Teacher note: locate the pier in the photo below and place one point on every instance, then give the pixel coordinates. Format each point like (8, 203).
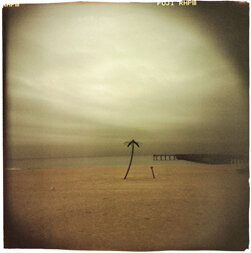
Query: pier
(161, 157)
(203, 158)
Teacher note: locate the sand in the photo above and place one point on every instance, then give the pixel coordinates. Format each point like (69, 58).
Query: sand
(186, 207)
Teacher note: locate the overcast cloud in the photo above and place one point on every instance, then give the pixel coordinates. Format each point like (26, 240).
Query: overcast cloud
(81, 79)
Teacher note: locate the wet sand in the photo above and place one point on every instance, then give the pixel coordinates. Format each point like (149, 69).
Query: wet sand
(186, 207)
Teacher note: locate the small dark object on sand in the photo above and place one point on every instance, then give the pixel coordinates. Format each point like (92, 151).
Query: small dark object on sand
(152, 172)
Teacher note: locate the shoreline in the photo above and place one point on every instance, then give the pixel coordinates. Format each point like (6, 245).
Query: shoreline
(191, 164)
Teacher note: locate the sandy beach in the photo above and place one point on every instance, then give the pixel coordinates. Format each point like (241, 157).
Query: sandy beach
(186, 207)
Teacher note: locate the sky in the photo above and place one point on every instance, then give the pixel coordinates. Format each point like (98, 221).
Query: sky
(83, 78)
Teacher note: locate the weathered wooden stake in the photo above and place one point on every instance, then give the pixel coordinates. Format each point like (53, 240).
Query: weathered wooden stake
(152, 172)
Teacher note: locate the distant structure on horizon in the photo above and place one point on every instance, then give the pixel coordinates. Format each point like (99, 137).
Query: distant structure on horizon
(156, 157)
(203, 158)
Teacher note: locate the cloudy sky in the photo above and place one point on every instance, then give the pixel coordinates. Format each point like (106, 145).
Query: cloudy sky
(83, 78)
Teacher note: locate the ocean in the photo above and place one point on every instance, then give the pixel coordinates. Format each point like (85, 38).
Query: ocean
(81, 162)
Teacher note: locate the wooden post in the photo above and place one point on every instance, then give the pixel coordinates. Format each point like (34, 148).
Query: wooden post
(152, 172)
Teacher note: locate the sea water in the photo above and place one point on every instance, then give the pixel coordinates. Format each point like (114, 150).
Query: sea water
(90, 162)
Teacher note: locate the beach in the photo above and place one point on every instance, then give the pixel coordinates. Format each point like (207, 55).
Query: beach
(197, 206)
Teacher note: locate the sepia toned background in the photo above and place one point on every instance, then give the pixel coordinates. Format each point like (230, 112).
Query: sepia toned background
(81, 80)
